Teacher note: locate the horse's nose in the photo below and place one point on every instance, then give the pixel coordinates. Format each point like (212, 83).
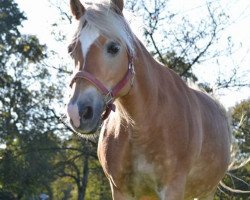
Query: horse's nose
(85, 110)
(86, 113)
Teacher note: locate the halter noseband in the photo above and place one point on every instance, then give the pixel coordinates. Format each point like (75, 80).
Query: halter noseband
(109, 95)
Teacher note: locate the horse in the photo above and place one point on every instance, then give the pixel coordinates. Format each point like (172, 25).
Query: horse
(159, 138)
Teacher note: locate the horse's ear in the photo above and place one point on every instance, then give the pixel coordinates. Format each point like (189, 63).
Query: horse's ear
(118, 5)
(77, 8)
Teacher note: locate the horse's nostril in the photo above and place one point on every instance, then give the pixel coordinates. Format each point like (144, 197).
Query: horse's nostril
(87, 113)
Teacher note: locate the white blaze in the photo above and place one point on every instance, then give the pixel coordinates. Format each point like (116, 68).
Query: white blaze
(87, 37)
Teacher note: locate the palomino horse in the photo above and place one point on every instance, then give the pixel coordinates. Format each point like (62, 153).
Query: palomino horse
(159, 139)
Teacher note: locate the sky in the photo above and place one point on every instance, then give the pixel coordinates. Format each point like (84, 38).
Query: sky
(41, 15)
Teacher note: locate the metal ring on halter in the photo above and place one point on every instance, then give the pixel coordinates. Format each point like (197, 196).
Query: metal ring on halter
(132, 80)
(108, 98)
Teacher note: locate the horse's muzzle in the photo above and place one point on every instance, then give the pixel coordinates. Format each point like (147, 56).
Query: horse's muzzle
(86, 114)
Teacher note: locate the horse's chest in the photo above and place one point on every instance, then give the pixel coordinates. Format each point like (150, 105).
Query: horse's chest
(142, 166)
(144, 177)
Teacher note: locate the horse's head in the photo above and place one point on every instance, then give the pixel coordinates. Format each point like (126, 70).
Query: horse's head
(103, 52)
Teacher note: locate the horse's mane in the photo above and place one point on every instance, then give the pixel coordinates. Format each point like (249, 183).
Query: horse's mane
(109, 24)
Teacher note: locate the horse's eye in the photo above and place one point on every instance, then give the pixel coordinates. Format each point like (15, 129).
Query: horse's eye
(113, 48)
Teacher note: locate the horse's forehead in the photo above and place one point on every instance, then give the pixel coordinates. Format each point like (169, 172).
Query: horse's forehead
(87, 37)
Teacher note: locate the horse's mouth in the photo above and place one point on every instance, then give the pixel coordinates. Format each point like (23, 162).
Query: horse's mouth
(94, 129)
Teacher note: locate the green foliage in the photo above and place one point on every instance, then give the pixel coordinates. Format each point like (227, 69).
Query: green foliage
(79, 172)
(11, 41)
(238, 178)
(25, 167)
(10, 19)
(241, 124)
(179, 65)
(98, 184)
(30, 48)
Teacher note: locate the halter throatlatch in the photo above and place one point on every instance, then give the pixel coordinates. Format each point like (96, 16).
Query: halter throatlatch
(109, 95)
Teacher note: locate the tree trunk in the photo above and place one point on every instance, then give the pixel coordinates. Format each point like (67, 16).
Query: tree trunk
(83, 187)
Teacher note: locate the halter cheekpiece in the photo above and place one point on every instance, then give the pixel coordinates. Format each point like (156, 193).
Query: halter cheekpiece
(109, 95)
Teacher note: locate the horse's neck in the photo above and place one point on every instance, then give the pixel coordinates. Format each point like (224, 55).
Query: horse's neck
(141, 102)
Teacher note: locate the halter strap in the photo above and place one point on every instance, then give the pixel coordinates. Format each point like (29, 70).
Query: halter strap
(109, 95)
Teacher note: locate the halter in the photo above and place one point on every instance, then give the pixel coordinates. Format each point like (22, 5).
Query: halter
(109, 95)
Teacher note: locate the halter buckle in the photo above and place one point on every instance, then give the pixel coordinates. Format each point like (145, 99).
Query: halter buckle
(108, 98)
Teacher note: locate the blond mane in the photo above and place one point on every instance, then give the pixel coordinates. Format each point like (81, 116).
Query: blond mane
(109, 24)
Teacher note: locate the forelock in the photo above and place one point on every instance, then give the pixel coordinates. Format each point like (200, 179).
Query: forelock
(109, 24)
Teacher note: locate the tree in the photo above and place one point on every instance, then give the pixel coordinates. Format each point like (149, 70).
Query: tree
(182, 43)
(238, 177)
(241, 126)
(78, 168)
(25, 127)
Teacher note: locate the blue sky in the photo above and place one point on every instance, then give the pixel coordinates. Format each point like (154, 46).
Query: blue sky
(41, 15)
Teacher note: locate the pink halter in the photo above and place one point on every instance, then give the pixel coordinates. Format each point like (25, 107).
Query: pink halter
(109, 95)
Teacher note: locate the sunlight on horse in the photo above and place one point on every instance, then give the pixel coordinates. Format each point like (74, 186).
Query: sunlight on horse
(159, 139)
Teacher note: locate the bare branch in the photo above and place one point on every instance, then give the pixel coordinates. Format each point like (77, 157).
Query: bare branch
(233, 190)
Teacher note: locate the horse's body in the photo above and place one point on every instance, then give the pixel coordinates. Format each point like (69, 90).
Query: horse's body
(164, 141)
(179, 138)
